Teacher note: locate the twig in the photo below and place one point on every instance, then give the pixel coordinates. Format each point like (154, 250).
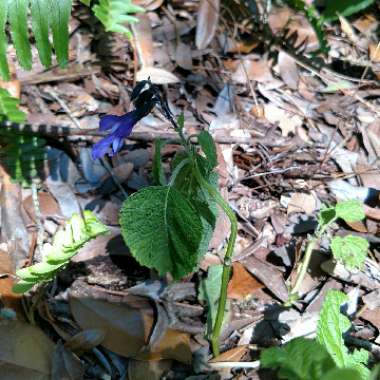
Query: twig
(220, 365)
(38, 215)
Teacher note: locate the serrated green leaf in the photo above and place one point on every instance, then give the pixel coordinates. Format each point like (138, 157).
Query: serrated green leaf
(326, 215)
(350, 210)
(114, 14)
(350, 250)
(208, 146)
(299, 359)
(209, 291)
(162, 230)
(40, 26)
(9, 108)
(4, 69)
(60, 14)
(186, 183)
(331, 327)
(341, 373)
(18, 19)
(157, 168)
(344, 7)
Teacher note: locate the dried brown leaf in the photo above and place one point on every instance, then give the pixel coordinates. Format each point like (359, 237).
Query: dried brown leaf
(85, 340)
(66, 366)
(207, 22)
(288, 70)
(25, 352)
(242, 283)
(152, 370)
(127, 325)
(157, 75)
(143, 40)
(271, 277)
(233, 355)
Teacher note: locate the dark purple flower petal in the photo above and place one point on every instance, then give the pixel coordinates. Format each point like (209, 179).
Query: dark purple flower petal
(101, 148)
(108, 122)
(120, 128)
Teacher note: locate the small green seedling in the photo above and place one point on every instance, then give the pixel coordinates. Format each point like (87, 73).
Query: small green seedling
(350, 250)
(324, 358)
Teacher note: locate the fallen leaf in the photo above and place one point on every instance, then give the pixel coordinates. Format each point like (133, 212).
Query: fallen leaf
(207, 22)
(258, 70)
(13, 87)
(302, 202)
(13, 229)
(233, 355)
(66, 366)
(25, 352)
(127, 325)
(183, 56)
(156, 75)
(143, 40)
(174, 344)
(288, 70)
(48, 206)
(374, 52)
(9, 299)
(242, 283)
(85, 340)
(152, 370)
(271, 277)
(372, 316)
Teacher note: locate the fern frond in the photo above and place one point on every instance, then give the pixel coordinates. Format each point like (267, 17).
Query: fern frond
(115, 14)
(4, 71)
(67, 242)
(9, 108)
(47, 16)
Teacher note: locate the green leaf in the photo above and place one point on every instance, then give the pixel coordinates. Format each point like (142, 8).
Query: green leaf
(209, 291)
(208, 146)
(9, 108)
(66, 244)
(341, 373)
(40, 26)
(162, 230)
(350, 211)
(181, 121)
(114, 14)
(186, 183)
(60, 14)
(18, 19)
(350, 250)
(331, 327)
(4, 70)
(299, 359)
(157, 168)
(344, 7)
(86, 2)
(326, 216)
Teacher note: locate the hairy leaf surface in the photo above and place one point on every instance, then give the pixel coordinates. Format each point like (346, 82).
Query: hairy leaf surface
(162, 230)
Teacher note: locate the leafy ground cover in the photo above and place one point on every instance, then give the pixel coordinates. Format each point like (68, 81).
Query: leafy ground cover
(233, 231)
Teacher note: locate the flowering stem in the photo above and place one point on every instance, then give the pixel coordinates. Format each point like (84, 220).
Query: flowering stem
(227, 259)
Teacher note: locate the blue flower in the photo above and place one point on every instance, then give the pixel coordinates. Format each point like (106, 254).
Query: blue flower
(119, 127)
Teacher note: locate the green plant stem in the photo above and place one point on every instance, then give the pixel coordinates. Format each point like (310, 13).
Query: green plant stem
(227, 259)
(293, 294)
